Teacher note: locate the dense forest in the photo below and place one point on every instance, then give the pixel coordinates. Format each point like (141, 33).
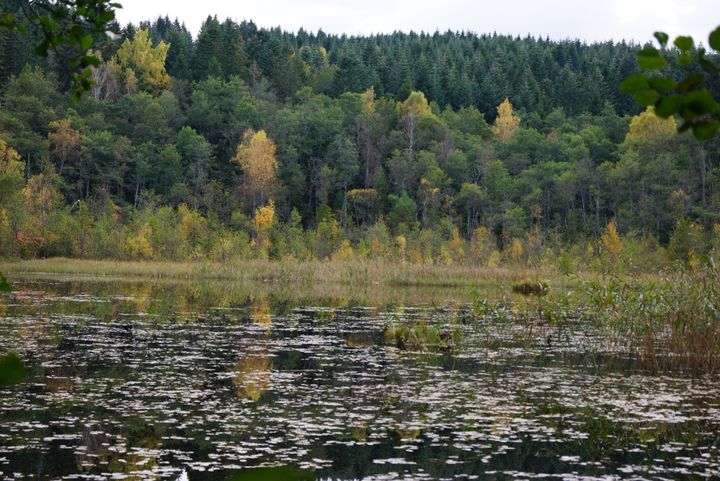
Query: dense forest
(248, 142)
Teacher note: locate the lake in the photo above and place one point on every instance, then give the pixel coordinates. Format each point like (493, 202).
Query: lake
(175, 380)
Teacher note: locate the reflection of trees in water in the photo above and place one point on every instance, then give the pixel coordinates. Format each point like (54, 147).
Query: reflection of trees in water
(136, 460)
(93, 450)
(142, 454)
(142, 295)
(252, 376)
(260, 313)
(58, 384)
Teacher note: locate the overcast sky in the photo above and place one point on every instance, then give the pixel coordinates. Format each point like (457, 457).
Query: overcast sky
(591, 20)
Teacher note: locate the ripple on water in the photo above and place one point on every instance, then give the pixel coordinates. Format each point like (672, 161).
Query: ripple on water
(120, 390)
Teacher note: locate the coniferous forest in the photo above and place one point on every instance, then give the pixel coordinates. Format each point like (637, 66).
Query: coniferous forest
(248, 142)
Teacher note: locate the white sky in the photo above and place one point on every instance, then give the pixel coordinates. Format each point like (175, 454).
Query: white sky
(591, 20)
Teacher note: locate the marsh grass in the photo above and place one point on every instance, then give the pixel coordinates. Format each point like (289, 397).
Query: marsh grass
(671, 322)
(424, 336)
(358, 273)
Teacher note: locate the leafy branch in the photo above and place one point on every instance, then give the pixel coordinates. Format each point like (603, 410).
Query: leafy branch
(690, 98)
(67, 23)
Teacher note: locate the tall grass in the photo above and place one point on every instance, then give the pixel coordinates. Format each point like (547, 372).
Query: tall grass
(673, 321)
(360, 272)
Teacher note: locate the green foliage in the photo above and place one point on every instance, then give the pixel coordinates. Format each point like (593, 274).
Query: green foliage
(677, 313)
(71, 23)
(12, 370)
(691, 97)
(423, 336)
(408, 170)
(4, 284)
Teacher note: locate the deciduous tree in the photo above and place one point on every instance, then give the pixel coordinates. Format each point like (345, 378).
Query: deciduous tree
(142, 63)
(506, 123)
(256, 157)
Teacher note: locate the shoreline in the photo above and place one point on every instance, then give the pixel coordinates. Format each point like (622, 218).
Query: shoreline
(349, 273)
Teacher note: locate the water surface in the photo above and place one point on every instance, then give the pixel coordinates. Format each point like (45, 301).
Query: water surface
(131, 380)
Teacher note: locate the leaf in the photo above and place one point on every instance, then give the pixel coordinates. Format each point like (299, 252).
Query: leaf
(685, 59)
(662, 38)
(714, 39)
(90, 60)
(706, 64)
(684, 127)
(668, 105)
(12, 370)
(4, 284)
(646, 97)
(86, 42)
(684, 43)
(697, 105)
(690, 83)
(661, 83)
(634, 83)
(7, 20)
(649, 58)
(705, 130)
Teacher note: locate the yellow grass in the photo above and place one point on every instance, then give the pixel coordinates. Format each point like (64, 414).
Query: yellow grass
(359, 273)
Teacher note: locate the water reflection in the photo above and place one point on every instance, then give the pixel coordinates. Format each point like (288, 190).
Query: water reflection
(137, 381)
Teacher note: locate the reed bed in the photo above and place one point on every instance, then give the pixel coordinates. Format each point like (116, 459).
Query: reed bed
(360, 273)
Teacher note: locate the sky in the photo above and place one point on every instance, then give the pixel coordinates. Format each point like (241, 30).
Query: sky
(589, 20)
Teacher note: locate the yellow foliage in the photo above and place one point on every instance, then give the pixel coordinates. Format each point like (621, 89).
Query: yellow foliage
(139, 245)
(192, 225)
(368, 101)
(256, 157)
(516, 250)
(611, 242)
(415, 257)
(64, 141)
(264, 218)
(143, 64)
(494, 259)
(401, 243)
(481, 246)
(506, 122)
(415, 106)
(444, 256)
(5, 233)
(456, 246)
(345, 252)
(41, 196)
(648, 126)
(263, 222)
(11, 167)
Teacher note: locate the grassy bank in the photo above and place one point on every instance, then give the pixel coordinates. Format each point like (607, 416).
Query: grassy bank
(353, 273)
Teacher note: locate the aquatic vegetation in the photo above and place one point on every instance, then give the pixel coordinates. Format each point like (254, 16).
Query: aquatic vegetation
(12, 370)
(673, 320)
(424, 336)
(527, 287)
(136, 382)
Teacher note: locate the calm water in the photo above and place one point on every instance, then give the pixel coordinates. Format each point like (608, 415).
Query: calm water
(173, 381)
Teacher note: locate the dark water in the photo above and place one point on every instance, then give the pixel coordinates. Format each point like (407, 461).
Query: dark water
(135, 381)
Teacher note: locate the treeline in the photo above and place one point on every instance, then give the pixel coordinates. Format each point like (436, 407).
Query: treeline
(259, 143)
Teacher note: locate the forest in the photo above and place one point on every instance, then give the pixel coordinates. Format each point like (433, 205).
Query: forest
(254, 143)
